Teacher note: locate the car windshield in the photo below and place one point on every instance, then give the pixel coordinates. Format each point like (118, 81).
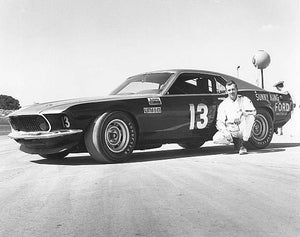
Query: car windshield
(150, 83)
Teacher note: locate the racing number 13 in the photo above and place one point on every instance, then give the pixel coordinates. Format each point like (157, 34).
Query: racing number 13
(202, 110)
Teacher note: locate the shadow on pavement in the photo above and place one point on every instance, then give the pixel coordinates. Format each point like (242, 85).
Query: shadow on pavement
(71, 160)
(283, 145)
(146, 156)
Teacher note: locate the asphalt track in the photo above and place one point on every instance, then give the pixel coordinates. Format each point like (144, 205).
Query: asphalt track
(163, 192)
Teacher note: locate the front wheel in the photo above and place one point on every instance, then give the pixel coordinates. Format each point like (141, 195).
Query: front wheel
(111, 138)
(262, 131)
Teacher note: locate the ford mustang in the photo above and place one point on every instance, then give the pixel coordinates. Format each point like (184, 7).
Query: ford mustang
(146, 111)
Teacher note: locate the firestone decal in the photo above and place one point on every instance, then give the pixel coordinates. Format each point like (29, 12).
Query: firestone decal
(152, 110)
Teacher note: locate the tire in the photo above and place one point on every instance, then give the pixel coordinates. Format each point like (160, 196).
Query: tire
(191, 145)
(55, 156)
(262, 131)
(111, 138)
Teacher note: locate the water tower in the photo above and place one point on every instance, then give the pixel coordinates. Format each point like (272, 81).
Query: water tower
(261, 60)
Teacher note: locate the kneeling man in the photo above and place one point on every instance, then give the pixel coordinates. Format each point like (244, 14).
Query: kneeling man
(235, 119)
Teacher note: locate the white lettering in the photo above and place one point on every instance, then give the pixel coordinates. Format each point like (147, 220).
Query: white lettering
(282, 107)
(202, 120)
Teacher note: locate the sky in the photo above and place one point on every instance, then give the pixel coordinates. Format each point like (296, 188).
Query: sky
(62, 49)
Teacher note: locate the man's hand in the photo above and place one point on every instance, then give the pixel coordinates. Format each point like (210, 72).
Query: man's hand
(237, 121)
(227, 135)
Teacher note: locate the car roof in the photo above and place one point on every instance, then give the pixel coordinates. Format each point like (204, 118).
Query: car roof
(242, 84)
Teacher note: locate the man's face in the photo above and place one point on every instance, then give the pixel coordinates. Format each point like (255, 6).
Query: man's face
(231, 91)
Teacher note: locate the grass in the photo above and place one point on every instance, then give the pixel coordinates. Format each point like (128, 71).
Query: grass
(4, 126)
(3, 120)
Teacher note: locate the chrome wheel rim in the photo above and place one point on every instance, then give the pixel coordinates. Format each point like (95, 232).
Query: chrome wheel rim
(117, 135)
(260, 128)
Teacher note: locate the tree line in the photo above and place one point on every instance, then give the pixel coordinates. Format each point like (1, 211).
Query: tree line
(9, 103)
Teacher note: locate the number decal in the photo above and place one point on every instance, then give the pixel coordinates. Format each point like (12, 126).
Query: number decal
(66, 122)
(202, 120)
(192, 116)
(202, 108)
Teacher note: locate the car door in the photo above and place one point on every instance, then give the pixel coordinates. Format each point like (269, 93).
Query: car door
(189, 108)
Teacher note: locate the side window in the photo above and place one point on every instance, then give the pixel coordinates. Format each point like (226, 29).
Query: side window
(186, 83)
(221, 89)
(210, 86)
(193, 83)
(205, 85)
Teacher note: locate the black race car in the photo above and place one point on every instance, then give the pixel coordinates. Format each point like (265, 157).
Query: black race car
(146, 111)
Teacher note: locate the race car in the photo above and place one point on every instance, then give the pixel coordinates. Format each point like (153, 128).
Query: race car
(146, 111)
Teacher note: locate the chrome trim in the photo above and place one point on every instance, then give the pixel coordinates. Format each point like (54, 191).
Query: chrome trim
(206, 94)
(43, 135)
(47, 122)
(120, 135)
(169, 83)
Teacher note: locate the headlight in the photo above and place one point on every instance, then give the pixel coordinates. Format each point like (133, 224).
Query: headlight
(42, 124)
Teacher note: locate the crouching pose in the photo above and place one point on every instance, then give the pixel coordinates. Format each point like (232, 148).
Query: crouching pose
(235, 119)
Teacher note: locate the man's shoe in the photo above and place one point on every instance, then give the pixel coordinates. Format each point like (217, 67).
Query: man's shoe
(243, 150)
(237, 144)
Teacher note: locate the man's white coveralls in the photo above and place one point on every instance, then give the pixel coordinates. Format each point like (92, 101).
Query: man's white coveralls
(234, 119)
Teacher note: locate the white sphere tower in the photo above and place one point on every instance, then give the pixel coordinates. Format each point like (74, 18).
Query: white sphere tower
(261, 60)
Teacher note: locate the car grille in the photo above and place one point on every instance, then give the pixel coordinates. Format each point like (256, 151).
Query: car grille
(29, 123)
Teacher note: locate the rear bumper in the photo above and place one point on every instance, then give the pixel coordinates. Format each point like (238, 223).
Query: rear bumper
(47, 142)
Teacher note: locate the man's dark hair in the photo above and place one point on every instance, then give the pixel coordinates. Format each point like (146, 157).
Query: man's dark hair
(231, 82)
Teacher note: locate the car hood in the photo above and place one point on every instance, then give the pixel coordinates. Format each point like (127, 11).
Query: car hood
(62, 105)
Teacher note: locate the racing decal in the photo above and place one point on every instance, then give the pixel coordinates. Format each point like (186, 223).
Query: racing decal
(282, 107)
(260, 97)
(274, 97)
(152, 110)
(66, 122)
(198, 116)
(154, 101)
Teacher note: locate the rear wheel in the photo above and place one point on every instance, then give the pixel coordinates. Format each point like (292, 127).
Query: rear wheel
(262, 131)
(192, 145)
(59, 155)
(111, 138)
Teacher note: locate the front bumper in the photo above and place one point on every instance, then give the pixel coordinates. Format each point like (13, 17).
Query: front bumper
(47, 142)
(43, 135)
